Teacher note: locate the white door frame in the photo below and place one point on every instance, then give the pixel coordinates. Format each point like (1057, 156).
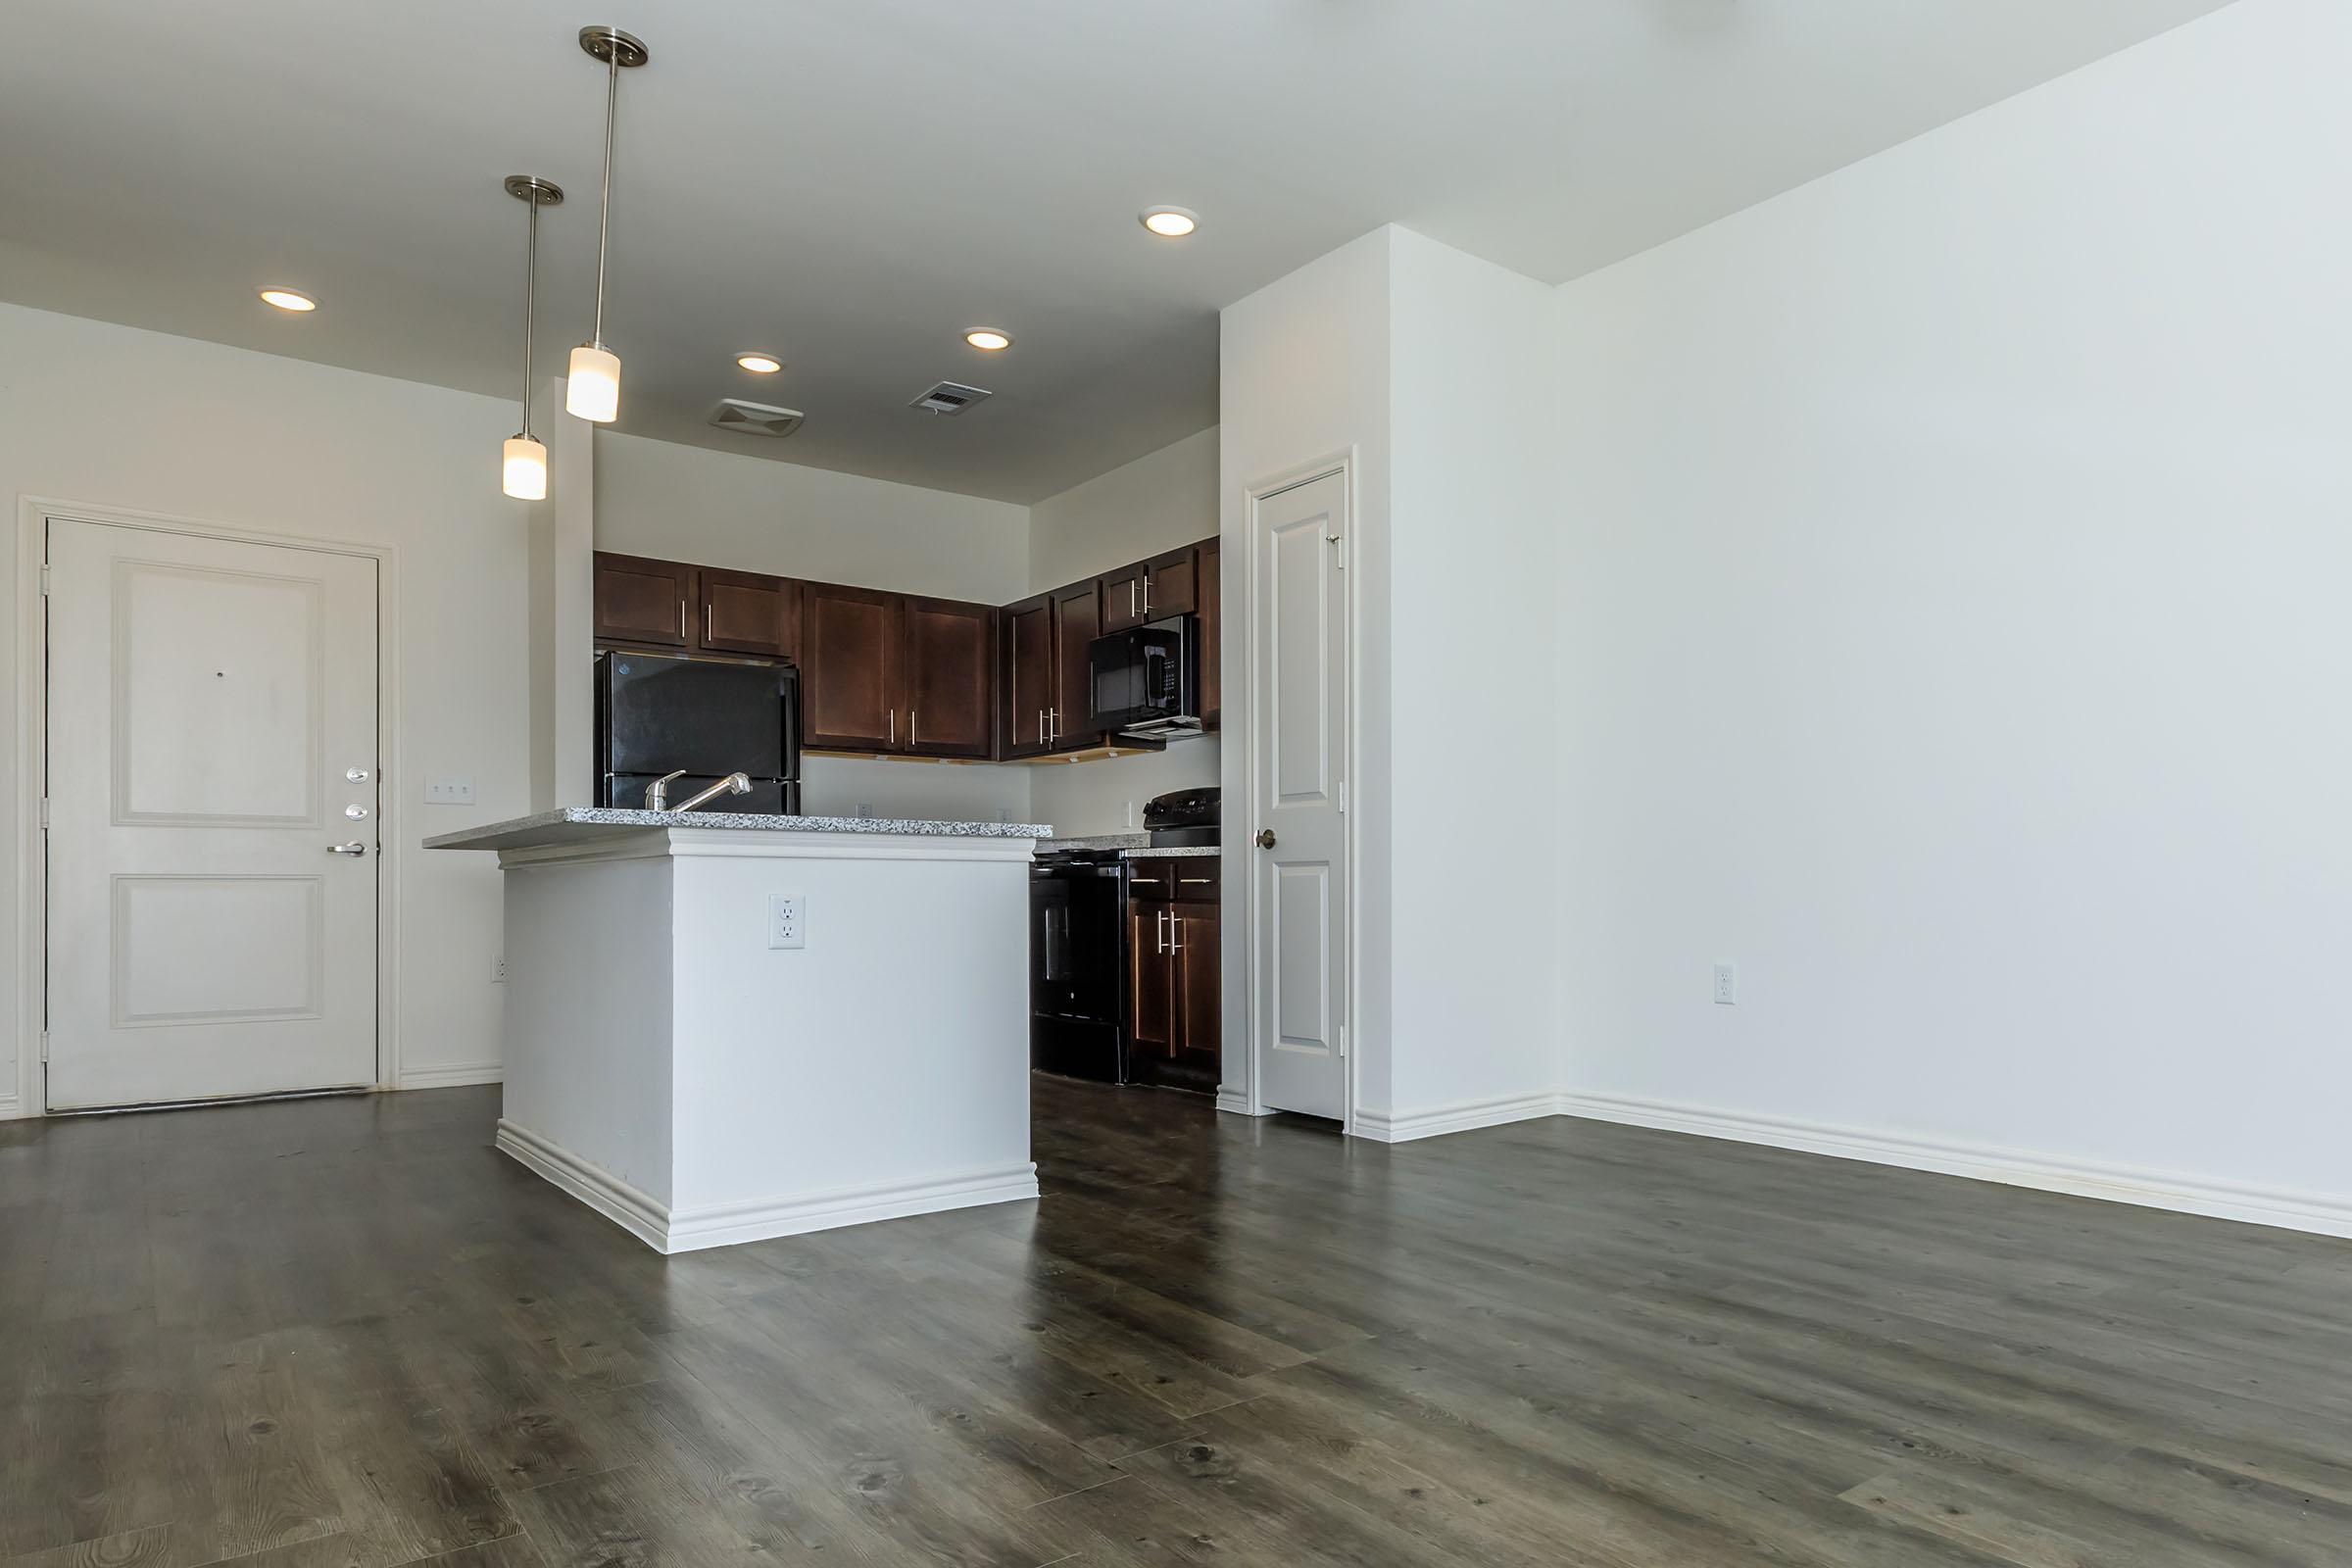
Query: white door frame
(33, 514)
(1344, 463)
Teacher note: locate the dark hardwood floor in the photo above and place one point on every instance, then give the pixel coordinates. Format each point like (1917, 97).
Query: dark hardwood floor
(346, 1333)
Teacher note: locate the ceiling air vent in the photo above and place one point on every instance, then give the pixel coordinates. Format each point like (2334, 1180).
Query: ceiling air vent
(755, 419)
(948, 397)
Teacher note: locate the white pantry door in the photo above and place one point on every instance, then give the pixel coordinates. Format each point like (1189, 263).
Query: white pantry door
(1300, 704)
(211, 817)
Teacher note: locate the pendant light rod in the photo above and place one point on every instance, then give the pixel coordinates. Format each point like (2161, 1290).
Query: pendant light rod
(616, 49)
(534, 193)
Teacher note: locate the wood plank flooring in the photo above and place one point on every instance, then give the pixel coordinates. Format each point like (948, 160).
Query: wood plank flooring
(346, 1333)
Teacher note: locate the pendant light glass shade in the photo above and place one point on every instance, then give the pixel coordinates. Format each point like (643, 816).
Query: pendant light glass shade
(527, 468)
(593, 391)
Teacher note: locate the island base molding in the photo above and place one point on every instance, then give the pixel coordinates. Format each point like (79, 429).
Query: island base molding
(689, 1230)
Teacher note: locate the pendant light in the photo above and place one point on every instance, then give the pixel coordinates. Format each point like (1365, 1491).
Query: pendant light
(593, 391)
(525, 457)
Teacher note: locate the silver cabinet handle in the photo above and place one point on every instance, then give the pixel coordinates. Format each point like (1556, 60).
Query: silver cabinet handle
(1147, 596)
(893, 726)
(1196, 881)
(1053, 724)
(1160, 931)
(915, 736)
(1041, 726)
(355, 847)
(1131, 596)
(1175, 924)
(681, 621)
(708, 621)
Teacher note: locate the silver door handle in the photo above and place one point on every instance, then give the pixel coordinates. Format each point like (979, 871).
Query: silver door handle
(355, 847)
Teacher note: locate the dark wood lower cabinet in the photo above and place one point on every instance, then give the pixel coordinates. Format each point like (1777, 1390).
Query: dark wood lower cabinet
(1176, 1000)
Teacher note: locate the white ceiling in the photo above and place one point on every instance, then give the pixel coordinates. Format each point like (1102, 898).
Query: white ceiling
(853, 183)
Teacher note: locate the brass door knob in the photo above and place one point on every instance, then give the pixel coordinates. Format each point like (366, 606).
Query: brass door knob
(1266, 838)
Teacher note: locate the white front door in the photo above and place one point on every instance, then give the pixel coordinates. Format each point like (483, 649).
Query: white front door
(212, 738)
(1300, 709)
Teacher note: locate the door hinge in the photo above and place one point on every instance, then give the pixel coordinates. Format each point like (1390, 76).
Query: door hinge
(44, 1046)
(1339, 543)
(1342, 1042)
(44, 579)
(44, 814)
(1343, 796)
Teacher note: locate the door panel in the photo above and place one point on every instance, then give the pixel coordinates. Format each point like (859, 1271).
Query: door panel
(849, 694)
(638, 600)
(208, 699)
(1077, 623)
(744, 613)
(1299, 708)
(950, 705)
(1027, 635)
(1151, 987)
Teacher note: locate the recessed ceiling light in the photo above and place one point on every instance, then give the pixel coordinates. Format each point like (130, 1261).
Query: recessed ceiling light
(988, 338)
(759, 363)
(1171, 223)
(286, 299)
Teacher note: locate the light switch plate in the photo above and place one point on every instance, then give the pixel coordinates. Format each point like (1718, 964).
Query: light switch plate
(449, 792)
(787, 921)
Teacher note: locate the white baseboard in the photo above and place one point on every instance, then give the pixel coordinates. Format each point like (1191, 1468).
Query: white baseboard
(452, 1077)
(12, 1106)
(1461, 1116)
(2315, 1213)
(1237, 1102)
(687, 1230)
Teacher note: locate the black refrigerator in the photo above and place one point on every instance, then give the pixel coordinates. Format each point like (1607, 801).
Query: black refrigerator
(657, 716)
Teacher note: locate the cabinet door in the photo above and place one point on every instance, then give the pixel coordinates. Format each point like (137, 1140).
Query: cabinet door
(949, 649)
(1025, 674)
(1123, 598)
(849, 670)
(1208, 567)
(1151, 987)
(1199, 998)
(642, 601)
(1077, 623)
(744, 613)
(1171, 585)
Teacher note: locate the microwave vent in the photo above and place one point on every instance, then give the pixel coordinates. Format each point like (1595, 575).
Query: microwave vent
(949, 398)
(755, 419)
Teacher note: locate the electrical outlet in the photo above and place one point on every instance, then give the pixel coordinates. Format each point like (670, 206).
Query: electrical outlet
(449, 792)
(1727, 986)
(1129, 813)
(787, 921)
(498, 968)
(866, 811)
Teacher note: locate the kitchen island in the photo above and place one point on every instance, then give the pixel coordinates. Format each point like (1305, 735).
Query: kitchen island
(722, 1027)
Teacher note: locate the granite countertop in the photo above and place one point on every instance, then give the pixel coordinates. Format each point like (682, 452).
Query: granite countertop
(1132, 847)
(563, 824)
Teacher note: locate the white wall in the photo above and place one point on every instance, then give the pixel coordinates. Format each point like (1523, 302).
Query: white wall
(1954, 636)
(1473, 621)
(1159, 501)
(114, 418)
(724, 509)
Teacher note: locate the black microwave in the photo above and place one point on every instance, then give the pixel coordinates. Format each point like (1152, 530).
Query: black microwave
(1145, 680)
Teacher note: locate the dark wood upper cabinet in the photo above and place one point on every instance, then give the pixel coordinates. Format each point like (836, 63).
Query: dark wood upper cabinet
(746, 613)
(1026, 674)
(642, 601)
(1210, 583)
(1077, 623)
(1123, 598)
(849, 670)
(1171, 584)
(951, 710)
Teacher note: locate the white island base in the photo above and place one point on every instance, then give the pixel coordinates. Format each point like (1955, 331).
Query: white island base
(669, 1067)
